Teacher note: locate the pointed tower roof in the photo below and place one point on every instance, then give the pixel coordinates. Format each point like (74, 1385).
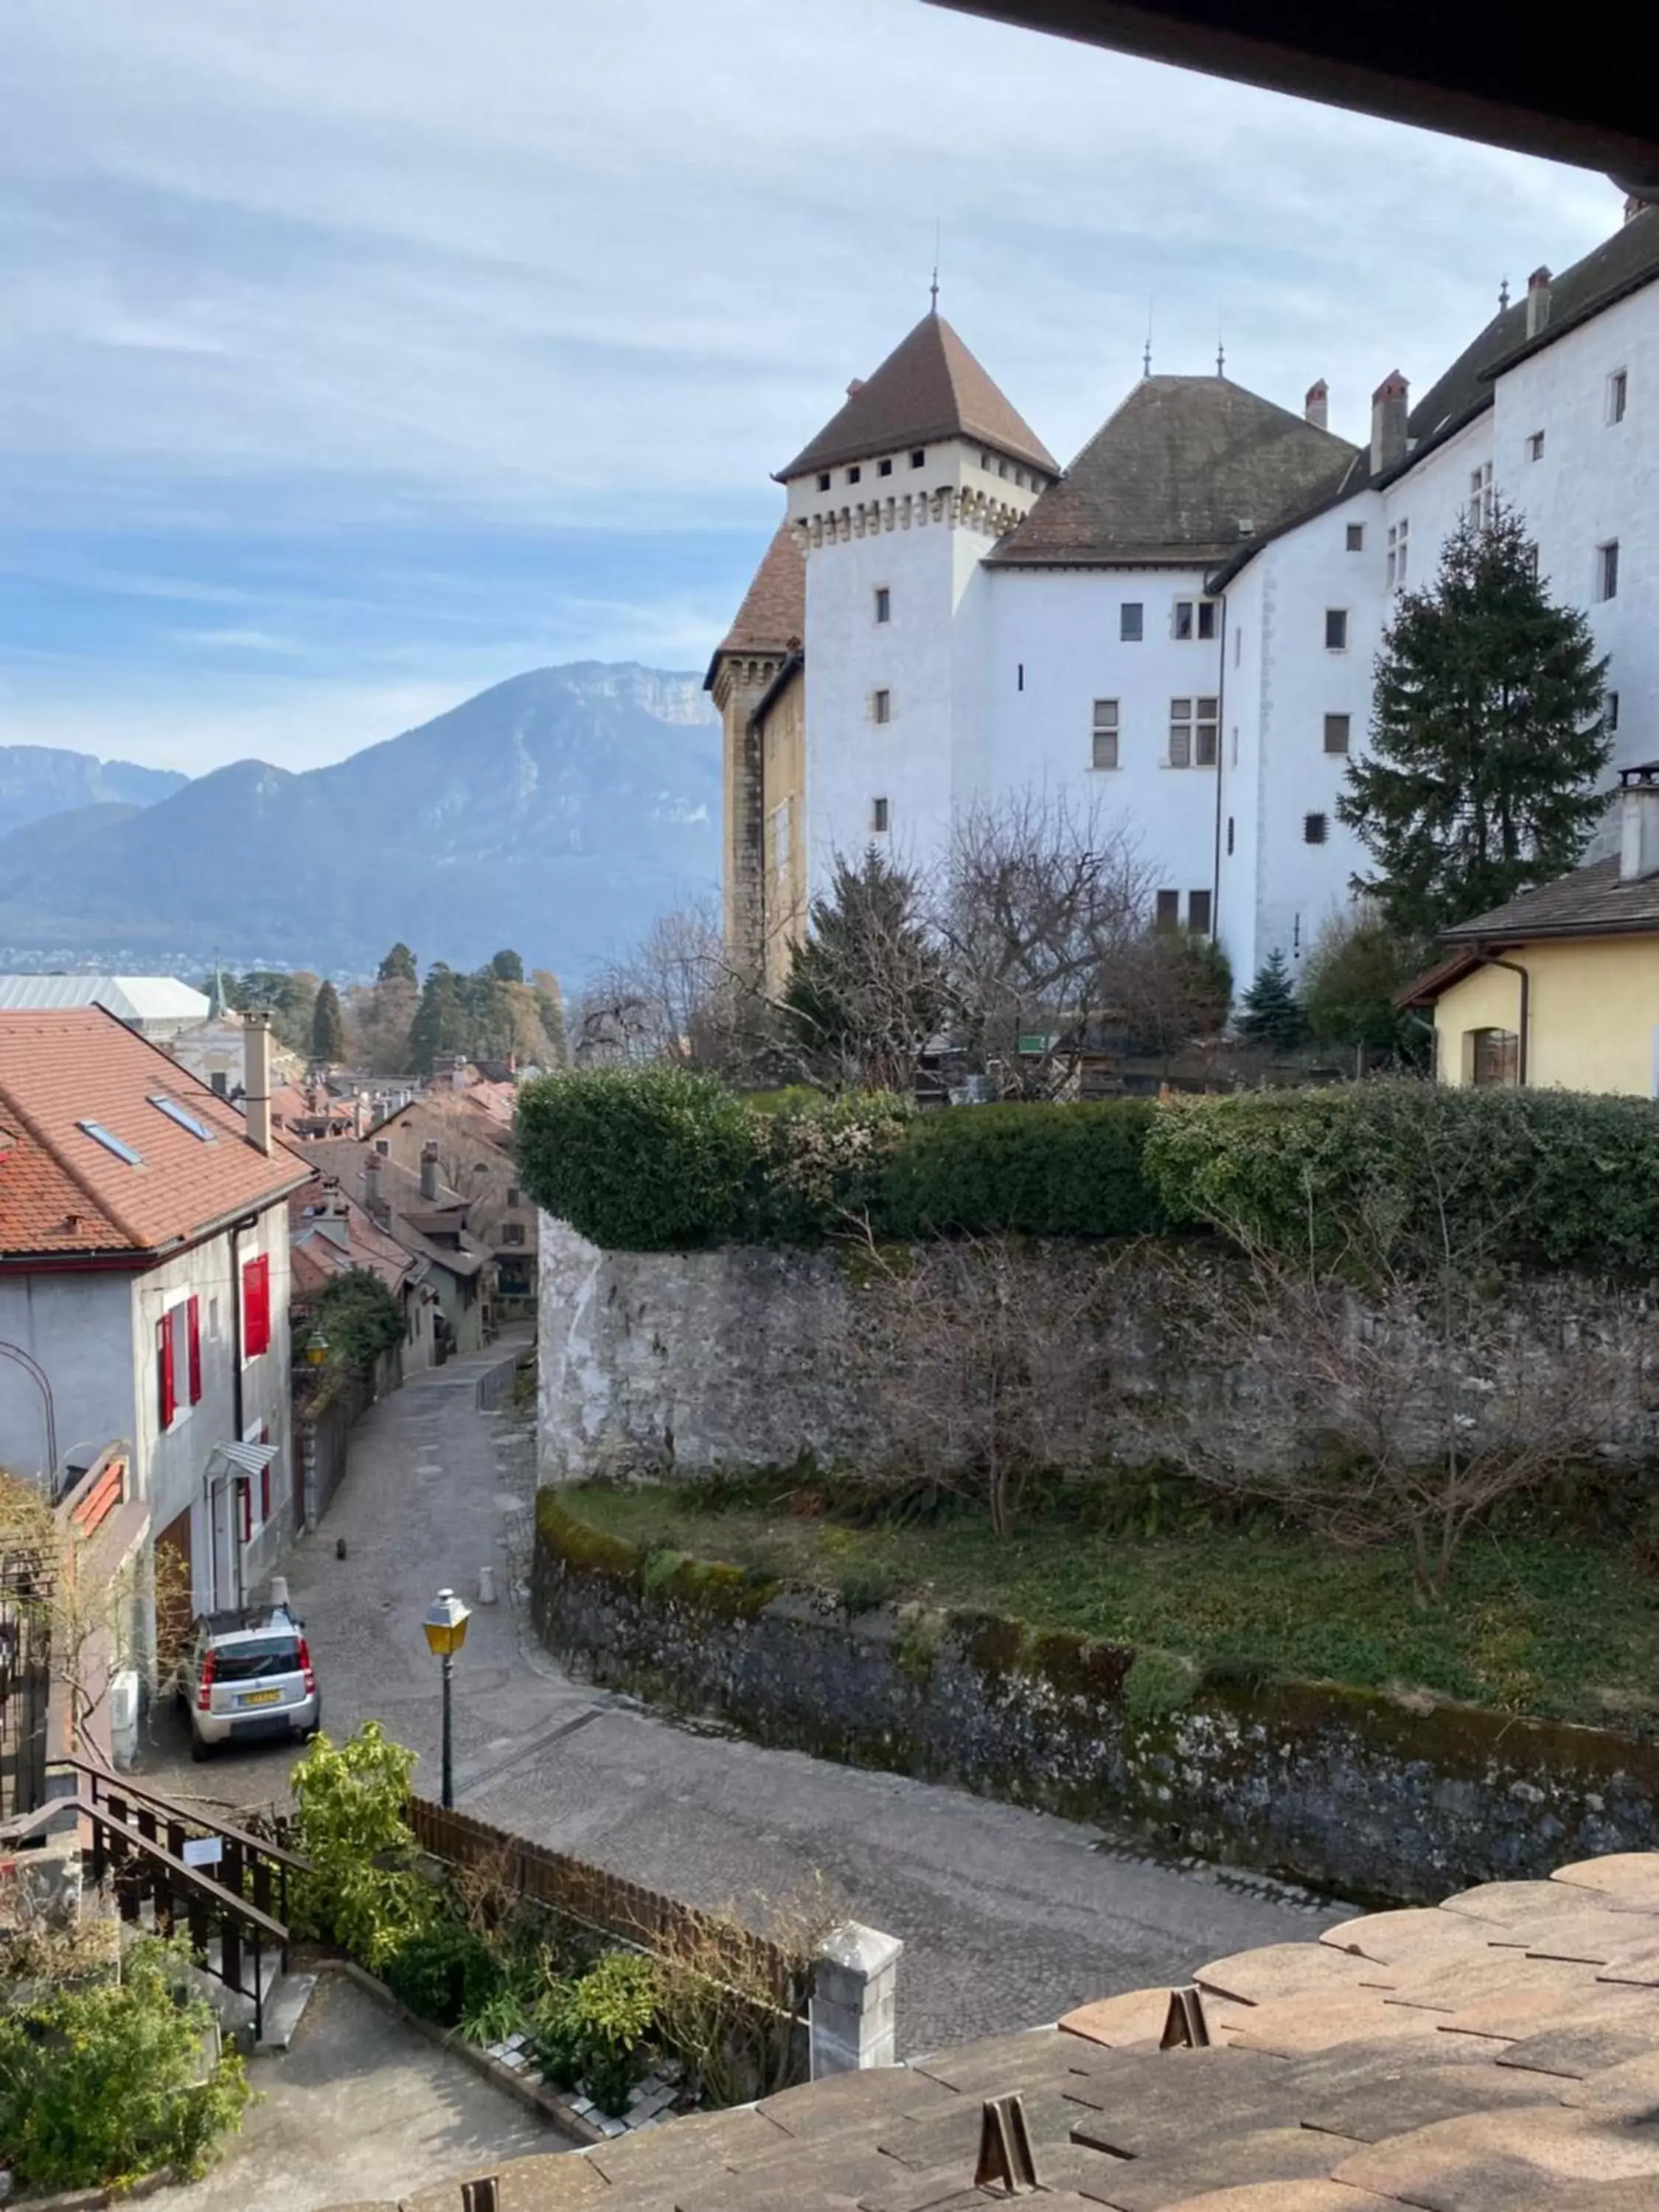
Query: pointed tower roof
(930, 386)
(773, 616)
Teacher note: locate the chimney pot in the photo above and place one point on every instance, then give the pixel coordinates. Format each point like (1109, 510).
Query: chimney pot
(429, 1171)
(256, 1079)
(856, 385)
(1317, 405)
(1538, 301)
(1634, 205)
(1390, 405)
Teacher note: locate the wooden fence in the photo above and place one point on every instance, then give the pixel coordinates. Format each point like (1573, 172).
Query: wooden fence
(714, 1944)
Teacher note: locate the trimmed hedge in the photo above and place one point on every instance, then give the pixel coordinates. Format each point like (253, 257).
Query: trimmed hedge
(1557, 1178)
(639, 1159)
(1039, 1170)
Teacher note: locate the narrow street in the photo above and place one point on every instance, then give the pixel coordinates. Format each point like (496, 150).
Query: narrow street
(1008, 1916)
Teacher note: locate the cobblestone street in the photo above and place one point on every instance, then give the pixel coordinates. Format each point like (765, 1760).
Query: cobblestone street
(1008, 1916)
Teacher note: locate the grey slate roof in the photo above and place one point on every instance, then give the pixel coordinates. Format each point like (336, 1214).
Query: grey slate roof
(1173, 473)
(1588, 901)
(929, 387)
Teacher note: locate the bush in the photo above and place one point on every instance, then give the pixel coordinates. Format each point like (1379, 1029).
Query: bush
(636, 1159)
(1037, 1171)
(1542, 1177)
(350, 1823)
(444, 1971)
(102, 2083)
(360, 1317)
(820, 1161)
(598, 2030)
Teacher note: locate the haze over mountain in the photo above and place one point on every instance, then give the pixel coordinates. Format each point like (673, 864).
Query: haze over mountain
(556, 813)
(36, 780)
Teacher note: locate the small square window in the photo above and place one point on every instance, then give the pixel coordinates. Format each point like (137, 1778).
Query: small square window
(1337, 728)
(1535, 447)
(1355, 538)
(1313, 829)
(1167, 913)
(1105, 733)
(823, 479)
(1002, 468)
(1194, 618)
(1183, 618)
(884, 468)
(1130, 618)
(882, 706)
(1198, 913)
(918, 459)
(1618, 392)
(883, 604)
(855, 474)
(1610, 712)
(1606, 570)
(1336, 629)
(878, 816)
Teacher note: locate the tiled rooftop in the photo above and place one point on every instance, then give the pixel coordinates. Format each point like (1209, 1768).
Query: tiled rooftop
(1498, 2054)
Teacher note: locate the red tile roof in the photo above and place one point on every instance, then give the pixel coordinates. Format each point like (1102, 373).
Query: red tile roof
(773, 616)
(63, 1193)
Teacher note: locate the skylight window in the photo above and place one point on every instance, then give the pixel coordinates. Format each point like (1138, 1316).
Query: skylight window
(185, 1119)
(100, 1135)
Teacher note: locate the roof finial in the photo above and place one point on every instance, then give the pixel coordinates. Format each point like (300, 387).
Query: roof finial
(1220, 347)
(1504, 296)
(934, 287)
(1146, 354)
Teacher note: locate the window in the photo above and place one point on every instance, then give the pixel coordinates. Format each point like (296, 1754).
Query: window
(1238, 643)
(514, 1195)
(823, 480)
(884, 468)
(918, 459)
(383, 1146)
(1618, 391)
(256, 1307)
(185, 1119)
(100, 1135)
(1535, 447)
(984, 459)
(1002, 468)
(1399, 553)
(882, 706)
(1355, 538)
(1492, 1056)
(1105, 753)
(1130, 616)
(167, 1395)
(1230, 837)
(883, 604)
(1198, 913)
(878, 816)
(218, 1082)
(1313, 829)
(1610, 712)
(1167, 911)
(1336, 629)
(1481, 496)
(1020, 676)
(1193, 732)
(1194, 618)
(1607, 579)
(513, 1232)
(1337, 727)
(855, 474)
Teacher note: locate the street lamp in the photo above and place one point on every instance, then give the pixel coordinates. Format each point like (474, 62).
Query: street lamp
(445, 1632)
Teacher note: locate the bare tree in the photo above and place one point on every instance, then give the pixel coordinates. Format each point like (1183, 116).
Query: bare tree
(649, 1003)
(989, 1366)
(1174, 987)
(1041, 900)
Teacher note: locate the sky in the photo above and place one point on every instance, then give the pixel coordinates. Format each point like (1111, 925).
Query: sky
(358, 354)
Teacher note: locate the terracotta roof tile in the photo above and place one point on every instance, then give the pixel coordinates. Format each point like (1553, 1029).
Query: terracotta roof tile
(62, 1191)
(773, 616)
(929, 387)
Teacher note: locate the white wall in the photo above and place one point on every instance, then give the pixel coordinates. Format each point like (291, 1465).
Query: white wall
(77, 1327)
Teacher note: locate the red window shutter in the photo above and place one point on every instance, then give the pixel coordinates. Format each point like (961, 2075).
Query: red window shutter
(167, 1398)
(256, 1307)
(194, 1341)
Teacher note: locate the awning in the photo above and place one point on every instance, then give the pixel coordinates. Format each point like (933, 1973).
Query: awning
(239, 1459)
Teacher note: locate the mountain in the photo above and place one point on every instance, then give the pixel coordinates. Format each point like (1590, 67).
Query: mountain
(36, 780)
(556, 813)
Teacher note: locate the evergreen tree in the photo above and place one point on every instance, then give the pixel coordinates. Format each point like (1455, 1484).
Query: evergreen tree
(1487, 737)
(1348, 985)
(1268, 1012)
(508, 966)
(442, 1024)
(867, 987)
(327, 1027)
(398, 966)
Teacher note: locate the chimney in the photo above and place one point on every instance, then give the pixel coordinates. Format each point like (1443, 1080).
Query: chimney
(856, 385)
(1638, 803)
(1634, 205)
(256, 1079)
(1317, 405)
(1390, 407)
(429, 1172)
(1538, 301)
(373, 1204)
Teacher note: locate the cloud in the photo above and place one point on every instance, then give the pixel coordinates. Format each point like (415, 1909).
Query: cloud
(288, 287)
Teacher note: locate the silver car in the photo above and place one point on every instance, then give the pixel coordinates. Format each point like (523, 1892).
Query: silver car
(247, 1674)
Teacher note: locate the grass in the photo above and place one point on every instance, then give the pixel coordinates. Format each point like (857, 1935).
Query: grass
(1531, 1624)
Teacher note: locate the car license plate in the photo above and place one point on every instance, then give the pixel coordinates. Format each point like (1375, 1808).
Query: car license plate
(259, 1698)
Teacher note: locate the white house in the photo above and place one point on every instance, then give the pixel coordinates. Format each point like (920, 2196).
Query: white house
(144, 1286)
(1184, 623)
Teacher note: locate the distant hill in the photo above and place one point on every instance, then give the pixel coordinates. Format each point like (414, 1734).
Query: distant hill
(556, 813)
(38, 780)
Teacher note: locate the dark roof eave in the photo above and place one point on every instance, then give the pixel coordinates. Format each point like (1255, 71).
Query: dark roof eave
(808, 462)
(1517, 937)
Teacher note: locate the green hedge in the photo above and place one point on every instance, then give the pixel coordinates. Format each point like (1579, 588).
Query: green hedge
(639, 1159)
(1552, 1177)
(1040, 1171)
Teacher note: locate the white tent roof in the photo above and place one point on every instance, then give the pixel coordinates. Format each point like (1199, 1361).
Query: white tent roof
(129, 998)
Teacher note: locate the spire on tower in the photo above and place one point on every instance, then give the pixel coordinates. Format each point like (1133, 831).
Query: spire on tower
(1504, 296)
(933, 289)
(1147, 353)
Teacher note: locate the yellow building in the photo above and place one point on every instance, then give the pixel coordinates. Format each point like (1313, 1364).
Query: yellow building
(1560, 987)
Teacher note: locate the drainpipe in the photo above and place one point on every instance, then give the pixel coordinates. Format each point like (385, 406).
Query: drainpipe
(1491, 960)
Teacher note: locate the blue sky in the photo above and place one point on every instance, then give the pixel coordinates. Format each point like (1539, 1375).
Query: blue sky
(358, 355)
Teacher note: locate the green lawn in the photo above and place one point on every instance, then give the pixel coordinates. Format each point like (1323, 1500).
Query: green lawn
(1531, 1624)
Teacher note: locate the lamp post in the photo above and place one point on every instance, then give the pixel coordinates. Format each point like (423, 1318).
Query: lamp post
(445, 1632)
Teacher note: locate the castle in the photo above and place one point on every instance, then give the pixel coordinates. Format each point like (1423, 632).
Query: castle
(1182, 625)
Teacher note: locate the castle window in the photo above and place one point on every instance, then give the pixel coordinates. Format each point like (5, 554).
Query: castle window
(1230, 837)
(1355, 538)
(1167, 912)
(918, 459)
(881, 706)
(1535, 447)
(1481, 497)
(1194, 618)
(855, 474)
(1606, 570)
(1193, 732)
(1618, 392)
(1336, 629)
(1130, 616)
(1399, 553)
(1610, 712)
(1198, 913)
(884, 468)
(1105, 733)
(823, 479)
(878, 817)
(1002, 468)
(1313, 827)
(883, 604)
(1337, 728)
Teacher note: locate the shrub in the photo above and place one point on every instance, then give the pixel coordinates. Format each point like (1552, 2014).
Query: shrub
(821, 1160)
(350, 1823)
(360, 1317)
(1552, 1177)
(637, 1159)
(444, 1971)
(598, 2029)
(1037, 1171)
(102, 2084)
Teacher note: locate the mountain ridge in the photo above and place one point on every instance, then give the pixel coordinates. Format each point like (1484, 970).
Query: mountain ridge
(38, 781)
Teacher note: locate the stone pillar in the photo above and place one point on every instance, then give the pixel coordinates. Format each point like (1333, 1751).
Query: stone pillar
(853, 1996)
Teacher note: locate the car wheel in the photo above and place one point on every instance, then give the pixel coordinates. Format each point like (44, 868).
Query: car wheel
(200, 1751)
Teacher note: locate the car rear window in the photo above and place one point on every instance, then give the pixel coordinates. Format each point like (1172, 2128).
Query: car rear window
(263, 1655)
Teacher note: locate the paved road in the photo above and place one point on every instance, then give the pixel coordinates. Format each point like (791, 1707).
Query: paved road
(1009, 1916)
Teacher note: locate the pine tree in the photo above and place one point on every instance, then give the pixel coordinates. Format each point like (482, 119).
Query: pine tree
(509, 965)
(398, 966)
(327, 1027)
(442, 1024)
(1268, 1012)
(1487, 737)
(866, 987)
